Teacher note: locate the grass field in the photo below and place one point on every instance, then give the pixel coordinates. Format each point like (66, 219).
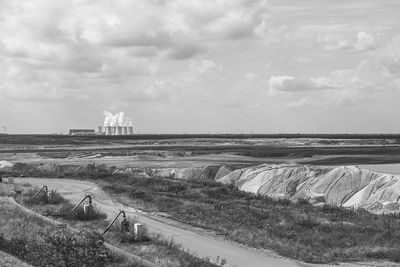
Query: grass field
(39, 243)
(299, 231)
(152, 247)
(6, 260)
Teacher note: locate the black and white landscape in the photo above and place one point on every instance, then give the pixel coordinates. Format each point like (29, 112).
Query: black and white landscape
(199, 133)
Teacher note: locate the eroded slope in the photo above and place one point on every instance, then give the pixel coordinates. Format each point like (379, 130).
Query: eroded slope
(347, 186)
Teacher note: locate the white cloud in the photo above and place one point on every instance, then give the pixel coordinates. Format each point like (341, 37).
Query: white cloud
(115, 40)
(197, 54)
(302, 102)
(291, 85)
(362, 42)
(204, 66)
(251, 76)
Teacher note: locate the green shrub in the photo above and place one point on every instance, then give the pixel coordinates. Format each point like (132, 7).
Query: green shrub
(283, 202)
(78, 214)
(385, 254)
(61, 248)
(303, 202)
(142, 195)
(307, 223)
(123, 236)
(42, 199)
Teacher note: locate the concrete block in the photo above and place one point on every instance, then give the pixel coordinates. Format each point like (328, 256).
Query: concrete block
(140, 231)
(87, 209)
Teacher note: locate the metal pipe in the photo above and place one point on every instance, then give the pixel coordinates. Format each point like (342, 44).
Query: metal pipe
(116, 217)
(45, 188)
(77, 205)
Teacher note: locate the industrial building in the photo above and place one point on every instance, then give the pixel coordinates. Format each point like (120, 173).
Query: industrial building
(82, 132)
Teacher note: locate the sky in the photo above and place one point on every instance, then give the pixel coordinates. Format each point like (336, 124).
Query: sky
(209, 66)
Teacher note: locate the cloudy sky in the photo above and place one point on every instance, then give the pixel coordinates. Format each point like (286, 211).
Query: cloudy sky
(191, 66)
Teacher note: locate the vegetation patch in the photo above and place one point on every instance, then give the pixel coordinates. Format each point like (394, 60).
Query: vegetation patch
(79, 214)
(39, 243)
(60, 248)
(31, 197)
(150, 246)
(6, 260)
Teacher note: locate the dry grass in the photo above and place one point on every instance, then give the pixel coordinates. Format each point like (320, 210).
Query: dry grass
(39, 243)
(152, 247)
(42, 199)
(6, 260)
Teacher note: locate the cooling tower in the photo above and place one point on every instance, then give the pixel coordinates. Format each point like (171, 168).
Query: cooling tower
(119, 130)
(99, 130)
(125, 130)
(108, 130)
(113, 130)
(130, 130)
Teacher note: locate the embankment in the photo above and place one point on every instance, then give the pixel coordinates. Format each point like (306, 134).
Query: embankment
(347, 186)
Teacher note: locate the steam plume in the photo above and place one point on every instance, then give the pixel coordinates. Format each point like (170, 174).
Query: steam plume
(117, 119)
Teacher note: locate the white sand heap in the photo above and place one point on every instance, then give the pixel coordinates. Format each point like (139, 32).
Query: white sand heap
(348, 186)
(5, 164)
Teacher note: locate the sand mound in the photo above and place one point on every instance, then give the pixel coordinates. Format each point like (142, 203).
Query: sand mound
(5, 164)
(348, 186)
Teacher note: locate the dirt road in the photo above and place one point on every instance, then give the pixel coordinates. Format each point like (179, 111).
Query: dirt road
(195, 240)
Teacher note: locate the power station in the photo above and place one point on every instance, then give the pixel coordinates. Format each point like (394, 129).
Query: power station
(115, 130)
(114, 125)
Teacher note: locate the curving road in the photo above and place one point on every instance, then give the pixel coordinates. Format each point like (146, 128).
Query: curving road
(198, 241)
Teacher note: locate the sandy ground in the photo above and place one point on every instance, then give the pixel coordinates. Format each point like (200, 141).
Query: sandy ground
(142, 161)
(196, 240)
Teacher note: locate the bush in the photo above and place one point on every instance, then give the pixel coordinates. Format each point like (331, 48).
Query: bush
(42, 198)
(307, 223)
(303, 202)
(385, 254)
(140, 195)
(124, 236)
(218, 192)
(61, 248)
(78, 214)
(283, 202)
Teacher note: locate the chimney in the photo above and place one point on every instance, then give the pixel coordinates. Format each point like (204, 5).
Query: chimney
(119, 130)
(130, 130)
(108, 130)
(125, 130)
(100, 130)
(113, 130)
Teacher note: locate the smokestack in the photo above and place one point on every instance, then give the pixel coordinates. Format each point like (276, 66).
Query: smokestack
(119, 130)
(125, 130)
(113, 130)
(100, 130)
(108, 130)
(130, 130)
